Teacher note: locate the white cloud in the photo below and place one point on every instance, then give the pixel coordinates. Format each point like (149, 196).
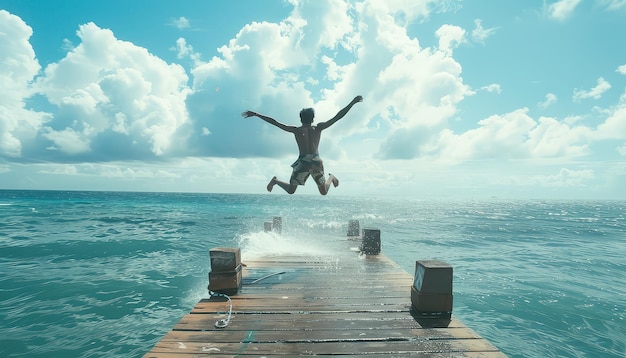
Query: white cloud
(111, 93)
(450, 37)
(67, 141)
(185, 50)
(554, 139)
(614, 127)
(405, 11)
(569, 178)
(595, 93)
(19, 67)
(19, 64)
(622, 69)
(327, 23)
(492, 88)
(496, 137)
(480, 34)
(613, 5)
(416, 89)
(408, 87)
(260, 62)
(565, 178)
(562, 9)
(514, 135)
(550, 100)
(67, 45)
(181, 23)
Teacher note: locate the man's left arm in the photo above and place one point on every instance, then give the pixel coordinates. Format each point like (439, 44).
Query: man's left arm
(340, 114)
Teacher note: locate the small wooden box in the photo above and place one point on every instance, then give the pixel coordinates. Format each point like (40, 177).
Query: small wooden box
(277, 224)
(224, 258)
(370, 244)
(354, 228)
(431, 303)
(433, 276)
(227, 282)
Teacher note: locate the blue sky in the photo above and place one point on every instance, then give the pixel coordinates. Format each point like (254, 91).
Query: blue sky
(472, 99)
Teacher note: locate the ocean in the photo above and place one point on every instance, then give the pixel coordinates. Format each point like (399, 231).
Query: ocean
(107, 274)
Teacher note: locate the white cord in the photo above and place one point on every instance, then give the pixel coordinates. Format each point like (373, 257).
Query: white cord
(267, 276)
(223, 323)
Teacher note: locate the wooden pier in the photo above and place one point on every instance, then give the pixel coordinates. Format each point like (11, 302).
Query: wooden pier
(343, 304)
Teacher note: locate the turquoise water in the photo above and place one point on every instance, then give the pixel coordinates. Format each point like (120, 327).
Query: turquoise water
(99, 274)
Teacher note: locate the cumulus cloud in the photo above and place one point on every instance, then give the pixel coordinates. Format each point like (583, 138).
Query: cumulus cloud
(450, 37)
(614, 127)
(515, 135)
(255, 65)
(113, 97)
(621, 69)
(550, 100)
(552, 138)
(569, 178)
(407, 86)
(327, 24)
(185, 50)
(496, 136)
(562, 9)
(595, 93)
(492, 88)
(18, 125)
(181, 23)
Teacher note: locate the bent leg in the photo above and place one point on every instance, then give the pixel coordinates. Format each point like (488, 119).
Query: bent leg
(324, 187)
(289, 188)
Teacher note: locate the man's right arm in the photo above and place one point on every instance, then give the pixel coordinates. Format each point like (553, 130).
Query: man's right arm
(269, 120)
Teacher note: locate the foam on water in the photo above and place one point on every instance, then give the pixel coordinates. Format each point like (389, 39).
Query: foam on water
(255, 245)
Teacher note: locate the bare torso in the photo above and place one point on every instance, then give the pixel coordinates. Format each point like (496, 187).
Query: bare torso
(308, 139)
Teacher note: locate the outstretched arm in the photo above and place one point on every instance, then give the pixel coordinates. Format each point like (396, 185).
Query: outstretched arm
(269, 120)
(340, 114)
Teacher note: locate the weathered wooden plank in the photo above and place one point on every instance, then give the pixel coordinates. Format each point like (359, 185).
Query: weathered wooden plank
(349, 288)
(368, 263)
(311, 275)
(342, 259)
(490, 354)
(271, 292)
(384, 332)
(249, 347)
(346, 285)
(308, 321)
(302, 302)
(271, 307)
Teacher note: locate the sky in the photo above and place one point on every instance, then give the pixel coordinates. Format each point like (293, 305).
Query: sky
(462, 99)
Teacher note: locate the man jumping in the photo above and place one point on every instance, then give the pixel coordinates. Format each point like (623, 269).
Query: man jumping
(308, 139)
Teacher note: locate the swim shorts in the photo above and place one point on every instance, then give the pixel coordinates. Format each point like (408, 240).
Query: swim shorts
(309, 164)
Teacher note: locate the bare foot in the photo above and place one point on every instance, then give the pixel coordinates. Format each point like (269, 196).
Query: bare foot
(270, 186)
(334, 180)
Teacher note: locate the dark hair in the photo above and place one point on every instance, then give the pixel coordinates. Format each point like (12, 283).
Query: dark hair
(306, 115)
